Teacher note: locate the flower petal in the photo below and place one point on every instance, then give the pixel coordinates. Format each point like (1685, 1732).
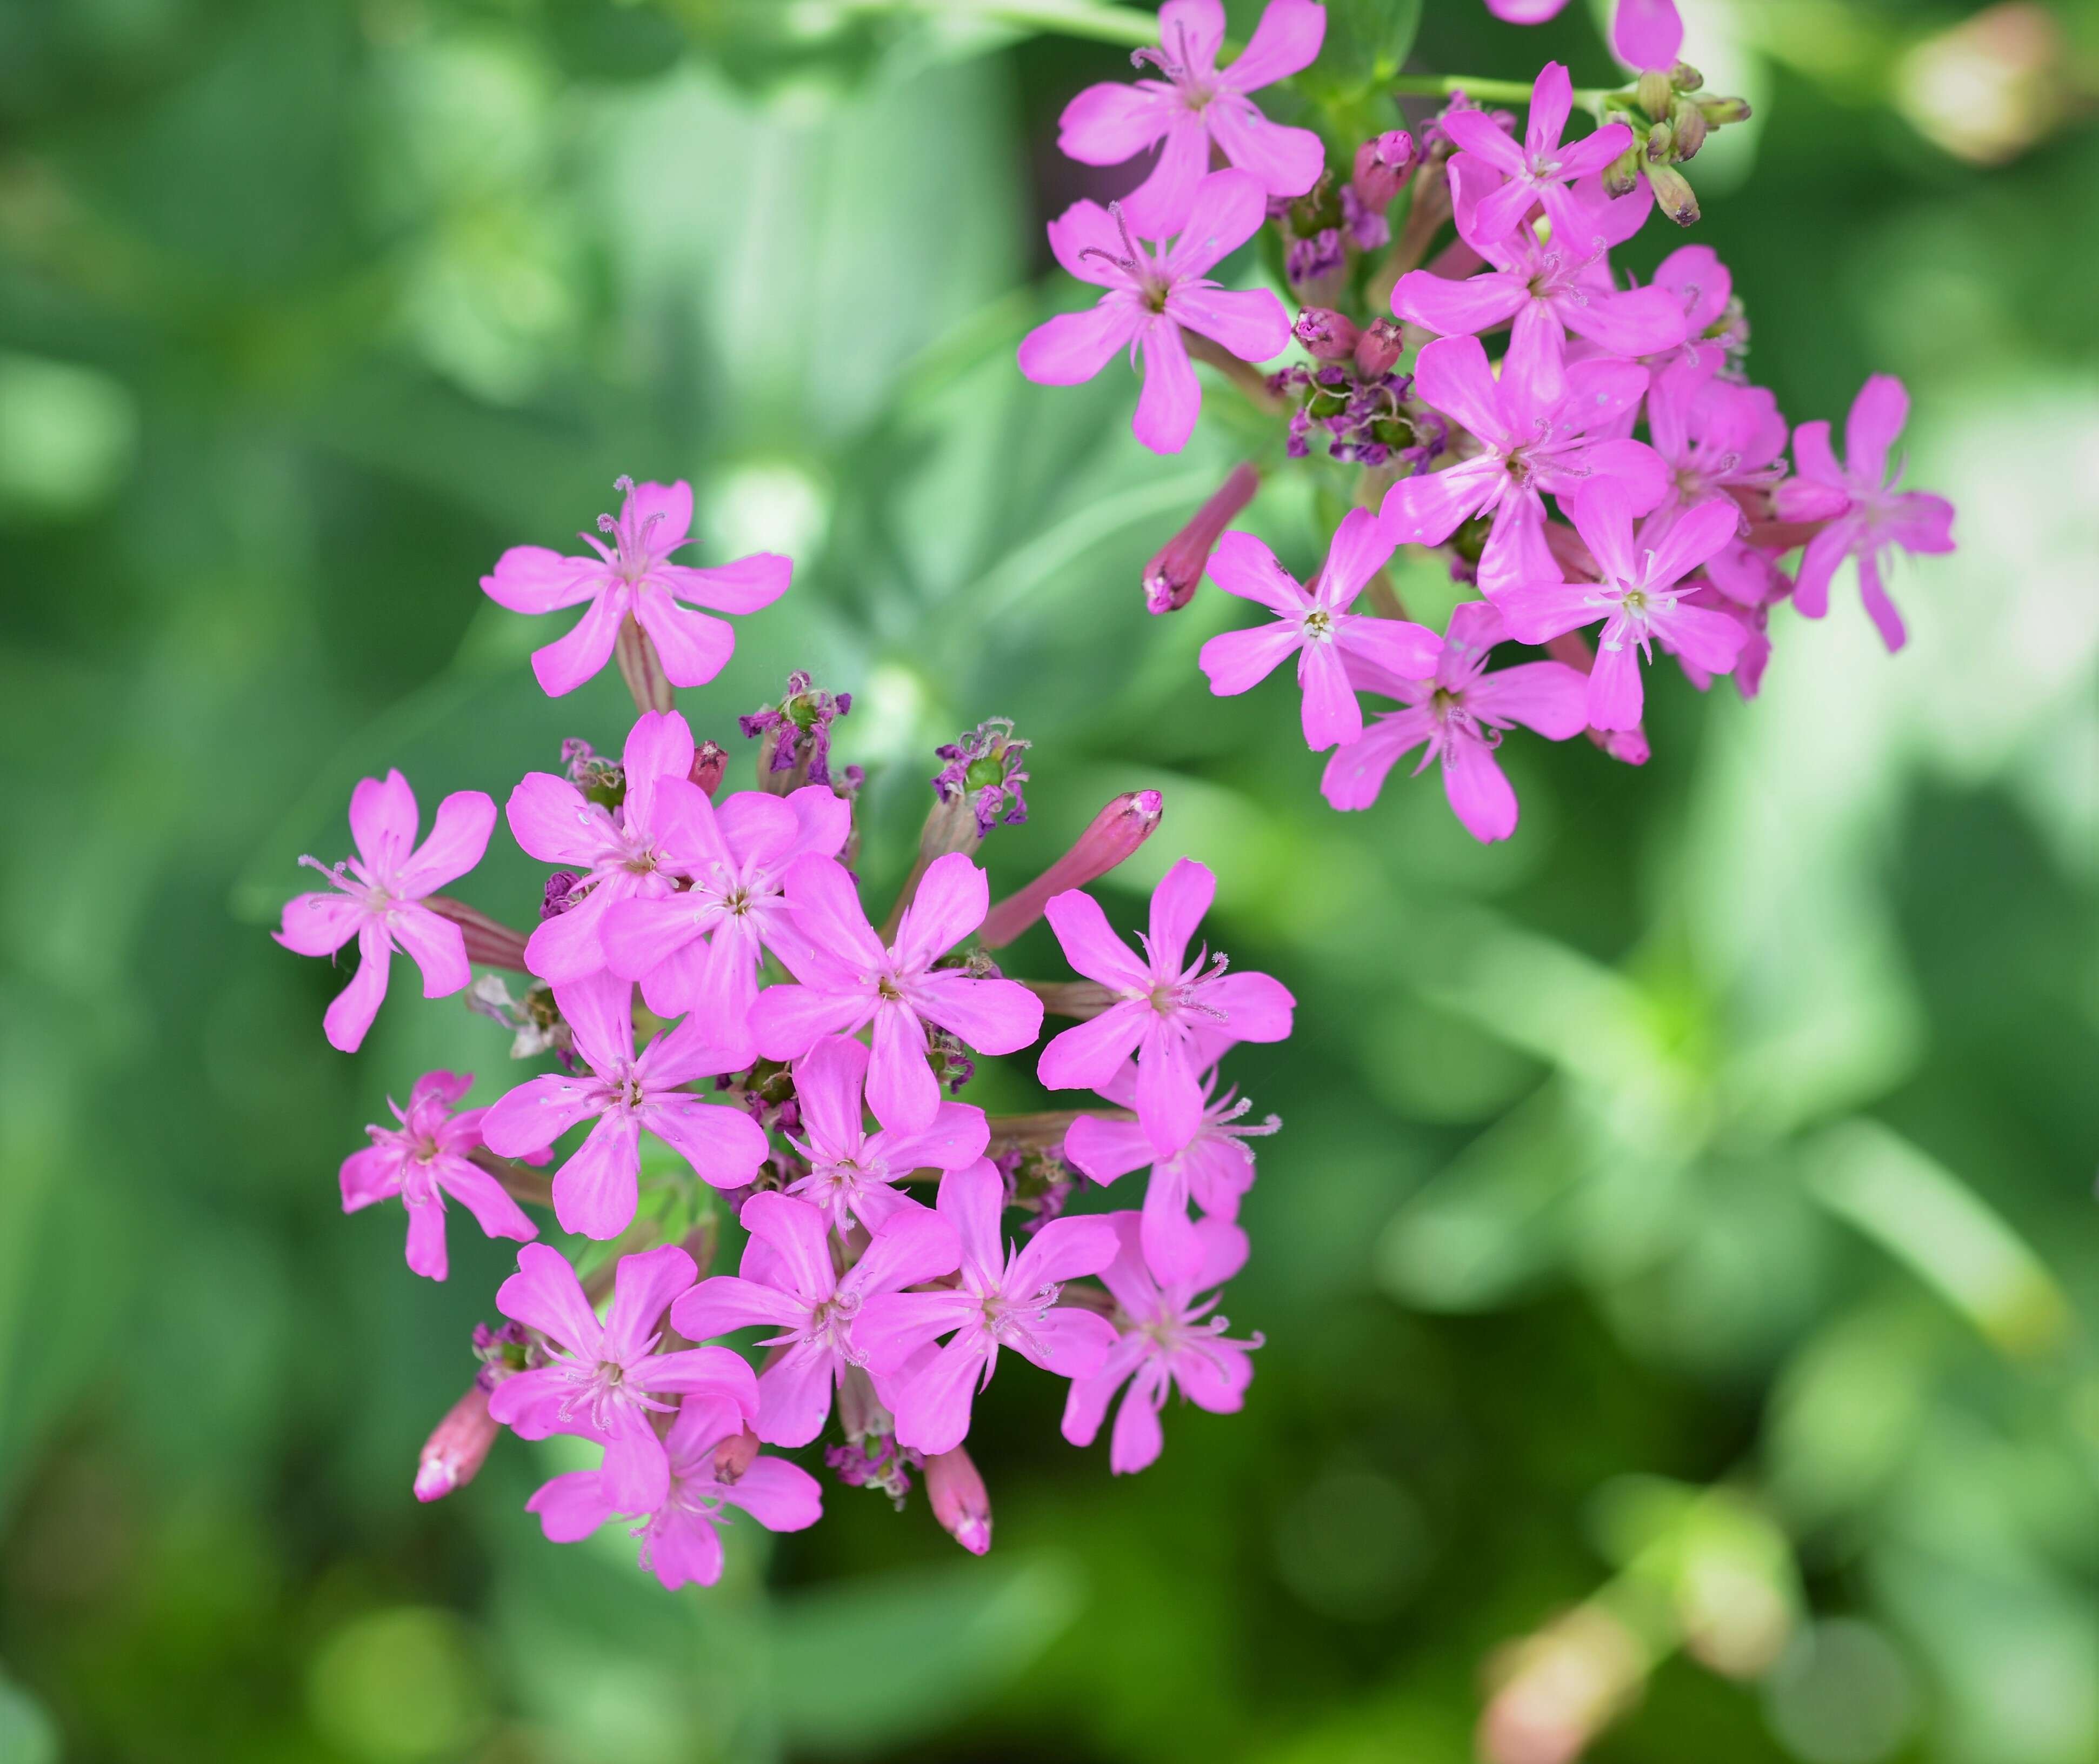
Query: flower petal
(1172, 397)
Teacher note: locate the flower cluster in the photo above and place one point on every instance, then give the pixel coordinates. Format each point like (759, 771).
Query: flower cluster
(735, 1039)
(1586, 453)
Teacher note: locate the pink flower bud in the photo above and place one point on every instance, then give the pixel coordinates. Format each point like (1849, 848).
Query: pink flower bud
(958, 1498)
(1170, 578)
(734, 1455)
(1328, 335)
(1383, 166)
(1118, 830)
(453, 1455)
(1378, 350)
(707, 766)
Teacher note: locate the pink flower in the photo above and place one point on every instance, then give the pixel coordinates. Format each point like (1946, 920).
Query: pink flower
(595, 1192)
(1149, 298)
(425, 1159)
(1215, 1168)
(698, 950)
(1637, 596)
(1545, 289)
(788, 1283)
(1167, 1340)
(852, 1172)
(1878, 514)
(378, 898)
(639, 850)
(1705, 289)
(606, 1379)
(1648, 33)
(1164, 1008)
(1313, 625)
(1196, 107)
(1461, 714)
(850, 980)
(633, 577)
(1525, 11)
(1540, 169)
(1529, 444)
(679, 1532)
(1003, 1300)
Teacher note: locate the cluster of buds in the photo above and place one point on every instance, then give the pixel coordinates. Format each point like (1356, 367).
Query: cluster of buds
(1611, 485)
(704, 974)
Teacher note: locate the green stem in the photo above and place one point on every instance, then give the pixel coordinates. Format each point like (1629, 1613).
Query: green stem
(1092, 19)
(1496, 91)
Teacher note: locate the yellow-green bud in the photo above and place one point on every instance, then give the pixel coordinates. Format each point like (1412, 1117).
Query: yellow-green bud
(1673, 191)
(1655, 93)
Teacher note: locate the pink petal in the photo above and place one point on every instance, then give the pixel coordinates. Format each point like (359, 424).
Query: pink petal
(685, 1549)
(1548, 697)
(1086, 1403)
(1615, 696)
(536, 1113)
(787, 1020)
(437, 946)
(1818, 564)
(1427, 509)
(1257, 1007)
(1238, 660)
(1224, 1250)
(1331, 716)
(564, 949)
(823, 820)
(1644, 321)
(1159, 205)
(745, 585)
(694, 647)
(953, 896)
(642, 1289)
(780, 1496)
(1406, 650)
(1137, 1439)
(1648, 33)
(1810, 448)
(529, 579)
(554, 822)
(545, 1294)
(1227, 209)
(564, 664)
(636, 1475)
(1501, 212)
(893, 1327)
(1875, 425)
(1074, 346)
(1602, 511)
(426, 1240)
(901, 1089)
(1537, 352)
(1184, 895)
(828, 912)
(729, 1302)
(1252, 325)
(320, 924)
(1086, 242)
(715, 1373)
(1063, 1250)
(971, 1200)
(382, 820)
(1357, 772)
(349, 1016)
(1879, 608)
(1109, 123)
(1452, 375)
(794, 1395)
(1282, 161)
(1086, 1057)
(669, 506)
(915, 1244)
(1172, 1250)
(1692, 537)
(1285, 42)
(1475, 131)
(1707, 638)
(991, 1016)
(638, 935)
(493, 1209)
(1552, 102)
(1069, 1342)
(1168, 405)
(956, 1138)
(1590, 157)
(458, 838)
(827, 1086)
(570, 1507)
(1213, 1375)
(1360, 548)
(1483, 302)
(1525, 11)
(368, 1175)
(1539, 611)
(1196, 27)
(721, 1142)
(599, 1012)
(1088, 945)
(595, 1192)
(933, 1405)
(796, 1232)
(1242, 566)
(1169, 1099)
(1480, 793)
(1103, 1150)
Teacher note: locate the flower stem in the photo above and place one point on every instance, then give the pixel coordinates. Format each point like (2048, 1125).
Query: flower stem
(1093, 18)
(1249, 379)
(1491, 91)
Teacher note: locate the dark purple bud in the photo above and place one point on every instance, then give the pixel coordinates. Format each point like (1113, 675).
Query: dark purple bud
(1328, 335)
(794, 735)
(560, 893)
(1171, 577)
(1378, 349)
(1383, 166)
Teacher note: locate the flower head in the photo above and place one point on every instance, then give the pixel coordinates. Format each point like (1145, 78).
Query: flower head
(1541, 169)
(984, 771)
(797, 733)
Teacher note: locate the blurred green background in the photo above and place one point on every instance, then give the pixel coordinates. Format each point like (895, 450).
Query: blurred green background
(1684, 1213)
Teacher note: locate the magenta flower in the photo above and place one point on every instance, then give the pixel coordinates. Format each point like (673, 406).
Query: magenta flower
(699, 949)
(1167, 1340)
(1003, 1300)
(1529, 444)
(1540, 169)
(1166, 1004)
(1878, 514)
(1149, 298)
(425, 1159)
(1543, 290)
(679, 1533)
(634, 578)
(1705, 290)
(1315, 625)
(1461, 714)
(379, 895)
(788, 1284)
(1648, 33)
(1637, 596)
(852, 1172)
(595, 1191)
(1196, 107)
(606, 1379)
(1525, 11)
(850, 980)
(1215, 1168)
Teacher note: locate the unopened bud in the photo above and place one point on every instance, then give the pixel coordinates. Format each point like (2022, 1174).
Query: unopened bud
(1718, 111)
(454, 1452)
(1117, 831)
(1686, 121)
(1673, 192)
(956, 1495)
(734, 1455)
(1621, 176)
(490, 943)
(1379, 348)
(1685, 77)
(1660, 147)
(1655, 93)
(708, 765)
(1171, 577)
(1383, 166)
(1328, 335)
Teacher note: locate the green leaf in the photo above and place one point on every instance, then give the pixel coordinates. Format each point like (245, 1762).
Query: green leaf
(1367, 43)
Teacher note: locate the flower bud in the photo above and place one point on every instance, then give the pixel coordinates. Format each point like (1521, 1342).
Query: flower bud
(734, 1455)
(489, 942)
(1686, 121)
(1172, 577)
(1383, 166)
(1655, 93)
(1685, 77)
(956, 1495)
(1328, 335)
(454, 1452)
(1673, 192)
(1621, 176)
(1660, 147)
(1379, 348)
(708, 765)
(1720, 111)
(1117, 831)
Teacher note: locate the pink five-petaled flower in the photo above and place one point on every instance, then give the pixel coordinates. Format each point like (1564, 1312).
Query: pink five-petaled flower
(1718, 438)
(680, 1540)
(1529, 444)
(606, 1379)
(1215, 1168)
(1167, 1339)
(633, 577)
(595, 1192)
(852, 1172)
(1879, 514)
(1197, 105)
(1149, 298)
(639, 849)
(1461, 714)
(425, 1159)
(1166, 1005)
(1315, 625)
(1540, 169)
(789, 1284)
(848, 979)
(1003, 1300)
(379, 899)
(698, 950)
(1637, 595)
